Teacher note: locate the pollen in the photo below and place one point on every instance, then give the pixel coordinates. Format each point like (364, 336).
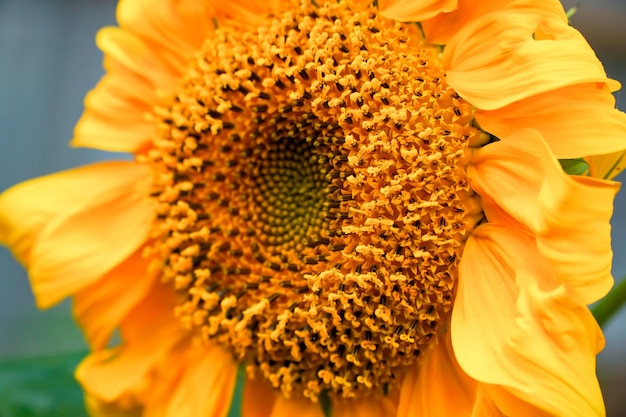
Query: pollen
(313, 201)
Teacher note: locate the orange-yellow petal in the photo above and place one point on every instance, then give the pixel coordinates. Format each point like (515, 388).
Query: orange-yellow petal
(578, 241)
(76, 248)
(607, 166)
(487, 291)
(251, 12)
(115, 116)
(149, 332)
(517, 52)
(429, 387)
(72, 227)
(258, 398)
(167, 377)
(132, 53)
(176, 28)
(364, 407)
(415, 11)
(206, 386)
(442, 27)
(98, 408)
(576, 121)
(514, 327)
(301, 407)
(569, 216)
(484, 405)
(102, 306)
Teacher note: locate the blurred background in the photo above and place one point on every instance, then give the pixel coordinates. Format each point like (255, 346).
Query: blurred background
(48, 61)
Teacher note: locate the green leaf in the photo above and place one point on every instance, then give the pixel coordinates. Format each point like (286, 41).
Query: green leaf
(604, 309)
(574, 166)
(41, 387)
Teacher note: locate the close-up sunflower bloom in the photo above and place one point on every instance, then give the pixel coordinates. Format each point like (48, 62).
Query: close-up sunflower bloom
(362, 209)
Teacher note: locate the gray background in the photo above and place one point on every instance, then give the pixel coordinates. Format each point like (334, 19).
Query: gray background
(48, 61)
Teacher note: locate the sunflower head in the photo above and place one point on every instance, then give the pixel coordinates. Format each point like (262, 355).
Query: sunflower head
(351, 206)
(313, 199)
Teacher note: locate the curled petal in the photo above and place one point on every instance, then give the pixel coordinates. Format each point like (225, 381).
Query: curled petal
(576, 121)
(518, 52)
(522, 183)
(514, 328)
(442, 27)
(607, 166)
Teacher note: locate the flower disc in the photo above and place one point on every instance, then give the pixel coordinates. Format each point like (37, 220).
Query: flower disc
(313, 199)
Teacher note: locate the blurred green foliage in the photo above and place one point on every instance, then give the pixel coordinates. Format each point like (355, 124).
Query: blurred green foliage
(45, 387)
(41, 387)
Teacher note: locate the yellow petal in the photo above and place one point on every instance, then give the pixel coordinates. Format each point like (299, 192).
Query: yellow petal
(428, 388)
(486, 291)
(484, 405)
(176, 28)
(132, 53)
(578, 241)
(301, 407)
(258, 398)
(147, 55)
(495, 61)
(568, 216)
(251, 12)
(115, 116)
(98, 408)
(76, 248)
(607, 166)
(576, 121)
(71, 227)
(441, 28)
(514, 328)
(207, 384)
(149, 332)
(167, 376)
(415, 11)
(100, 307)
(374, 406)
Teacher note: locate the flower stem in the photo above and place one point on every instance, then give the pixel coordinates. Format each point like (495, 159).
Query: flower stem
(608, 306)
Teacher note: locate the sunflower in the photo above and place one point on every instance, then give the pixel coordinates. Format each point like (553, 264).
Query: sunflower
(360, 212)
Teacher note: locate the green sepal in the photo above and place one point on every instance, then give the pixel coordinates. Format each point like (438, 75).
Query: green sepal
(574, 166)
(235, 404)
(326, 404)
(571, 12)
